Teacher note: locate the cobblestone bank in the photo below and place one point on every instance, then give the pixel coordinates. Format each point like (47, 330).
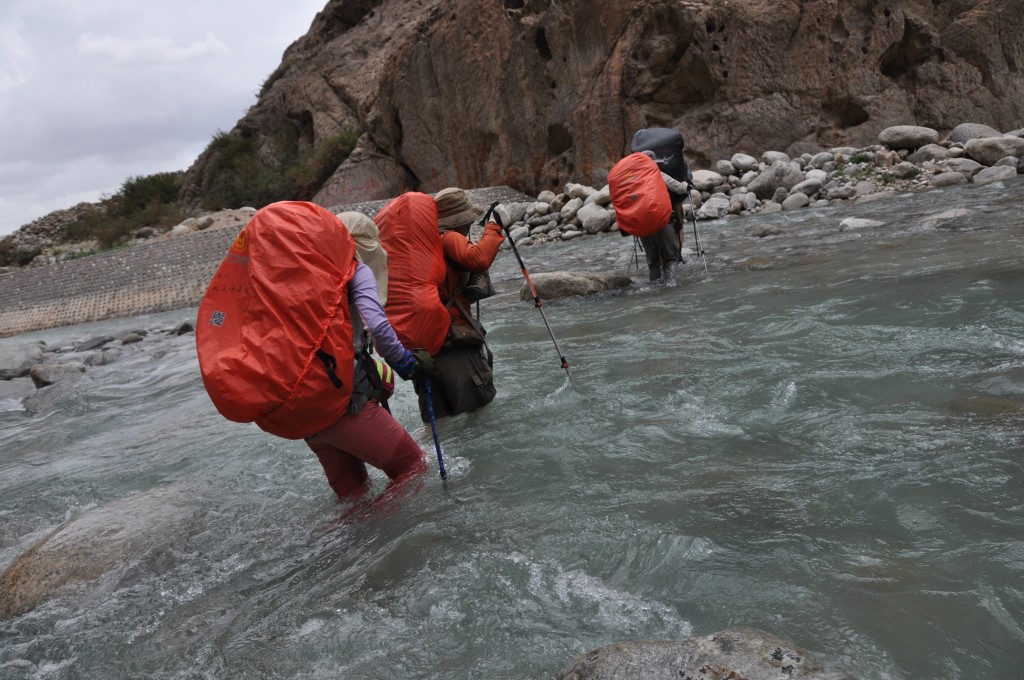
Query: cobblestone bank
(140, 279)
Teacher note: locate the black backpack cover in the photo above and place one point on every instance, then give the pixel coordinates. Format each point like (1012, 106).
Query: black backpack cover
(667, 145)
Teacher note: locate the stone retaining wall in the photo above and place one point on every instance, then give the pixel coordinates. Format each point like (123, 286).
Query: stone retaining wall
(154, 276)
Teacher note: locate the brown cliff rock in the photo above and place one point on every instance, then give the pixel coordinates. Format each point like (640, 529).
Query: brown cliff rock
(533, 94)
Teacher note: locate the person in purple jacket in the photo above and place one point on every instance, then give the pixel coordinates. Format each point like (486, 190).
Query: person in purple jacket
(368, 433)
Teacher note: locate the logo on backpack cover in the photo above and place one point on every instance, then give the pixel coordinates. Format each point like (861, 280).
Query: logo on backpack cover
(238, 247)
(241, 243)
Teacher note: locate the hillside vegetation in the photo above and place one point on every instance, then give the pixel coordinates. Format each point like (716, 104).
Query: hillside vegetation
(239, 176)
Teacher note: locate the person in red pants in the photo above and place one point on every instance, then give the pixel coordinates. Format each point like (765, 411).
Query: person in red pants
(284, 338)
(368, 434)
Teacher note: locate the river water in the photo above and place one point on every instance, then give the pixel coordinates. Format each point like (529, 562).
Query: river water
(823, 437)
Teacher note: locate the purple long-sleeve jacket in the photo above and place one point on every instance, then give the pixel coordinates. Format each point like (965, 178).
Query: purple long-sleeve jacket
(362, 292)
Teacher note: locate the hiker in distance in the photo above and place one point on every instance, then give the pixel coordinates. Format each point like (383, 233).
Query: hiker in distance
(648, 190)
(462, 379)
(281, 343)
(664, 249)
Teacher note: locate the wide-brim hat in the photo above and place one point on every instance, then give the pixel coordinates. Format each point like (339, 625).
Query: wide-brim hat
(366, 234)
(455, 208)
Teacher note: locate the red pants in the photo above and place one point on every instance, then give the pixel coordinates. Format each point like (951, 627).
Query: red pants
(371, 436)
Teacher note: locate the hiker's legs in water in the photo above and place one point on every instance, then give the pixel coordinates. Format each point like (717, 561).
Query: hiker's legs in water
(662, 251)
(371, 436)
(653, 258)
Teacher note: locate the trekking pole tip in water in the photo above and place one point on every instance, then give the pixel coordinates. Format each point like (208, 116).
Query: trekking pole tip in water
(433, 429)
(565, 365)
(537, 301)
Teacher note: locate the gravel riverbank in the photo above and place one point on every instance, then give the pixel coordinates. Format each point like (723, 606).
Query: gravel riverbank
(172, 270)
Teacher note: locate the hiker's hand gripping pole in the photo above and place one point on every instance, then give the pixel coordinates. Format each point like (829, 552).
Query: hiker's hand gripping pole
(536, 296)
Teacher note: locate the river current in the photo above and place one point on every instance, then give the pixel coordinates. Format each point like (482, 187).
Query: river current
(822, 437)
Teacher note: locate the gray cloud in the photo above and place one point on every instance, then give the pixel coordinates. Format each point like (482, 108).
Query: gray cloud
(94, 93)
(156, 50)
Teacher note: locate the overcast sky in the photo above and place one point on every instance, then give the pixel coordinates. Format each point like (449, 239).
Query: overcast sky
(93, 92)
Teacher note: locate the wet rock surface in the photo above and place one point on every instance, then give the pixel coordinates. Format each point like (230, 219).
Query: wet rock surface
(554, 285)
(732, 654)
(94, 542)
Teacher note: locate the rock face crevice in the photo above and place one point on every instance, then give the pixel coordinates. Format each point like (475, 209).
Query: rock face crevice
(534, 94)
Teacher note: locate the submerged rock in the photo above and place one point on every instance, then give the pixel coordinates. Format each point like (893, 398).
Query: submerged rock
(18, 359)
(13, 392)
(852, 223)
(565, 284)
(733, 653)
(44, 375)
(985, 404)
(85, 547)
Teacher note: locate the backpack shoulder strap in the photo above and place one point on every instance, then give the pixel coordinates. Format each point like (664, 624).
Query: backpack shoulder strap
(365, 365)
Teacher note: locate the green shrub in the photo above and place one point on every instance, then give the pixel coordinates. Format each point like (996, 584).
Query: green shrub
(12, 257)
(89, 225)
(139, 193)
(238, 174)
(149, 201)
(312, 168)
(271, 79)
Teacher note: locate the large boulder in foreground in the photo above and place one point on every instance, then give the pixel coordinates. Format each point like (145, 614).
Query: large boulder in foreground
(85, 547)
(554, 285)
(733, 653)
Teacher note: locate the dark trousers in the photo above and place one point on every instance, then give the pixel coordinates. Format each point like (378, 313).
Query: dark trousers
(661, 250)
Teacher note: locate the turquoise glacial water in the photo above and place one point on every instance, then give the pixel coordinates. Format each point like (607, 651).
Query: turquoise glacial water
(823, 438)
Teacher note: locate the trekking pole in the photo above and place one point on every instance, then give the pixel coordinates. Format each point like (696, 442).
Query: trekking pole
(536, 299)
(696, 234)
(433, 429)
(636, 256)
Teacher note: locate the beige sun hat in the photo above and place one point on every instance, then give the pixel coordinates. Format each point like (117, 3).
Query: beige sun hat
(455, 209)
(366, 234)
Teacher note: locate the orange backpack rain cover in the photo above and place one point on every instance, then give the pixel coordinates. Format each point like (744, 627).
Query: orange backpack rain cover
(274, 333)
(416, 271)
(639, 195)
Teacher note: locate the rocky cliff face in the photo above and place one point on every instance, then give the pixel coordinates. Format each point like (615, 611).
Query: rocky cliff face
(536, 93)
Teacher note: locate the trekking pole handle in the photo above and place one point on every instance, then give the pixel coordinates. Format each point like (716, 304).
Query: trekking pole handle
(522, 266)
(487, 215)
